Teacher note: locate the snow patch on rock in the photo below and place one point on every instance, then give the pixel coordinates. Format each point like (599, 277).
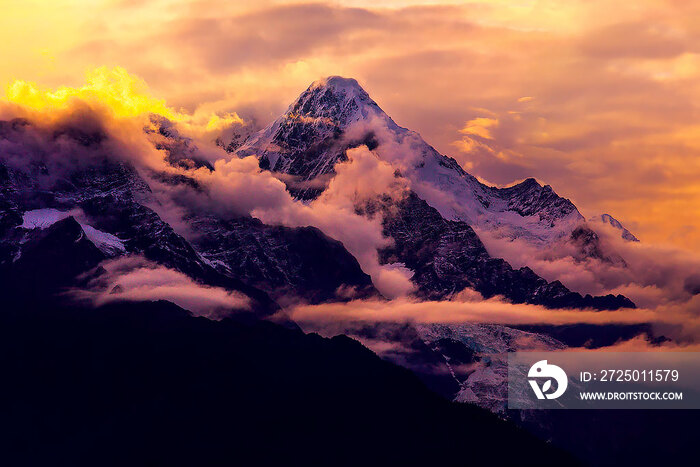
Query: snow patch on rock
(45, 218)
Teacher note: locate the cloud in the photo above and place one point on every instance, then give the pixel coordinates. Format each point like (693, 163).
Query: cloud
(494, 311)
(680, 322)
(270, 34)
(334, 212)
(115, 89)
(614, 86)
(238, 187)
(610, 122)
(105, 120)
(53, 143)
(480, 126)
(114, 93)
(133, 278)
(636, 39)
(650, 275)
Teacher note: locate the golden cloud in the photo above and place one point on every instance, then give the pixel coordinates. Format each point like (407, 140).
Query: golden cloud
(612, 125)
(480, 127)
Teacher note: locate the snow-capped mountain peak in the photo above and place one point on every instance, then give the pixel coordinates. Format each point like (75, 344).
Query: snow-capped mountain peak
(610, 220)
(335, 114)
(339, 82)
(302, 141)
(342, 100)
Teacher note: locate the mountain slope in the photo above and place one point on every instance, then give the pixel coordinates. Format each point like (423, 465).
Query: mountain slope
(285, 262)
(610, 220)
(50, 259)
(170, 389)
(335, 114)
(106, 197)
(448, 256)
(50, 175)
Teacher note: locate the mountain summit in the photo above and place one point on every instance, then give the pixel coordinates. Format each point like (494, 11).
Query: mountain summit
(433, 229)
(312, 135)
(336, 114)
(337, 89)
(339, 99)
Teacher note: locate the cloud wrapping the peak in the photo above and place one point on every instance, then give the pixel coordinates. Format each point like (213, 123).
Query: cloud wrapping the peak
(113, 104)
(236, 187)
(598, 100)
(239, 186)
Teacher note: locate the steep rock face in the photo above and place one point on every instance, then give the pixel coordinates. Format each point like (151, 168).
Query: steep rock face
(10, 216)
(179, 150)
(477, 357)
(310, 137)
(69, 175)
(529, 198)
(145, 233)
(589, 245)
(114, 204)
(448, 256)
(49, 260)
(285, 262)
(47, 177)
(610, 220)
(335, 114)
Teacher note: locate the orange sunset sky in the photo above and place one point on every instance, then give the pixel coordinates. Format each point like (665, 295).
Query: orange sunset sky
(599, 99)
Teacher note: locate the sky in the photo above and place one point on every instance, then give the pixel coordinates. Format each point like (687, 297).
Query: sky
(598, 99)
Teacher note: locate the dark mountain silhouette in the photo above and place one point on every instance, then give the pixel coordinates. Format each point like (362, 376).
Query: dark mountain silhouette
(147, 384)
